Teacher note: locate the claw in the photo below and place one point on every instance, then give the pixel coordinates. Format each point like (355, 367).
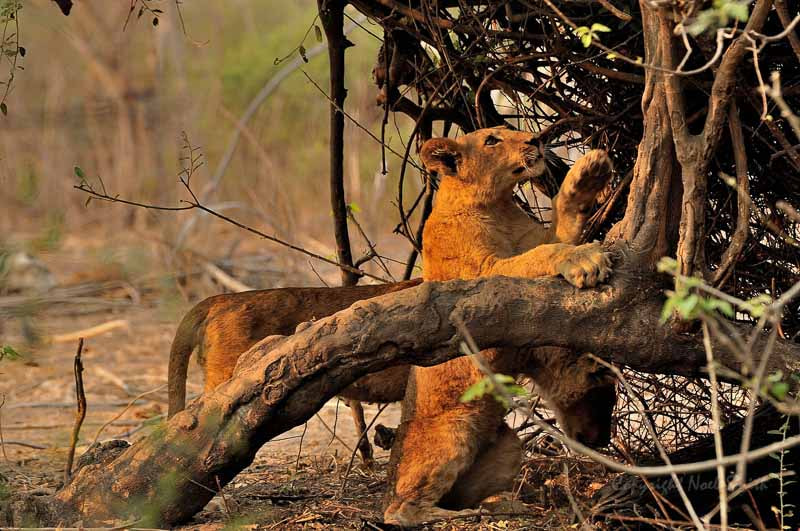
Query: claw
(587, 266)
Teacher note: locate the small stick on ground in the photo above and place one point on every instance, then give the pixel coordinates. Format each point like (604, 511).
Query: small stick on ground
(80, 414)
(91, 332)
(2, 442)
(353, 453)
(23, 444)
(224, 499)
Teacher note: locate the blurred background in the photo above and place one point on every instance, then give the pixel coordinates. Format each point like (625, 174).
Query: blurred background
(114, 100)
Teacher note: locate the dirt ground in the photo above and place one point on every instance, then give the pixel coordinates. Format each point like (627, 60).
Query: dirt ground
(297, 480)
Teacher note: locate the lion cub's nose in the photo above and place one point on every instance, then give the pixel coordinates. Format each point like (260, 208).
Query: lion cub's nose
(534, 141)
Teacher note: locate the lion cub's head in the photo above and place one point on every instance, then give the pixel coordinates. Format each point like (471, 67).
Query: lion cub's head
(487, 164)
(581, 392)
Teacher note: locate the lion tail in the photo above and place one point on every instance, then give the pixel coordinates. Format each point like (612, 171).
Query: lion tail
(186, 339)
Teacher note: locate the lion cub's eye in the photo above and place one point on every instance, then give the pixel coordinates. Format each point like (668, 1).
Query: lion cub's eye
(491, 140)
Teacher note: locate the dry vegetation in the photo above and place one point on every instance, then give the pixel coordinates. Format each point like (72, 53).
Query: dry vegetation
(116, 102)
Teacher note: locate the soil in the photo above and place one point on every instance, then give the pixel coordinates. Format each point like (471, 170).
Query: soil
(296, 481)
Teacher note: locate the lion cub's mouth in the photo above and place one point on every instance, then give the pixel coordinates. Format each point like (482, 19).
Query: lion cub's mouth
(529, 159)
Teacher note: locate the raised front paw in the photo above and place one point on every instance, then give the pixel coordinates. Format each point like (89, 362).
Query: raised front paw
(586, 265)
(589, 176)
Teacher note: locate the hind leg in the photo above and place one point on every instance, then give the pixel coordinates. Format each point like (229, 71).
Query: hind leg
(431, 453)
(493, 473)
(364, 447)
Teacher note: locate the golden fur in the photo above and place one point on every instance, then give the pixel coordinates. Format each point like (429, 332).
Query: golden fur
(223, 327)
(450, 456)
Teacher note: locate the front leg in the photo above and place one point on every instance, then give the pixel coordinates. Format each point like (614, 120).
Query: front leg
(583, 266)
(587, 177)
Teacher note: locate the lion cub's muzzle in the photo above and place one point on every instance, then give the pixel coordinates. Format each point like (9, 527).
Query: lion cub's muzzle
(530, 156)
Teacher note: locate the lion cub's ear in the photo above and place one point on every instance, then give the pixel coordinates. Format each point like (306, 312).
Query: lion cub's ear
(441, 155)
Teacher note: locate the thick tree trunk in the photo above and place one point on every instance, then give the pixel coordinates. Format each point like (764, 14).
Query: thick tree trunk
(650, 225)
(283, 381)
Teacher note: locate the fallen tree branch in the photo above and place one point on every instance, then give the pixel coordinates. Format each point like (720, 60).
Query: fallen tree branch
(91, 332)
(283, 381)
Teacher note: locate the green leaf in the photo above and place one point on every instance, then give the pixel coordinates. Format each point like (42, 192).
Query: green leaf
(688, 306)
(586, 40)
(776, 376)
(79, 173)
(724, 307)
(354, 208)
(737, 10)
(757, 305)
(666, 311)
(600, 27)
(580, 31)
(8, 352)
(317, 33)
(474, 391)
(779, 390)
(667, 265)
(516, 390)
(611, 55)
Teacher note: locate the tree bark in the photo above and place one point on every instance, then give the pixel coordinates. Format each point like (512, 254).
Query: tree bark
(653, 213)
(283, 381)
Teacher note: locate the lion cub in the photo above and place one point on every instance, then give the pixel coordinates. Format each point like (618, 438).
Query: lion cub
(450, 456)
(223, 327)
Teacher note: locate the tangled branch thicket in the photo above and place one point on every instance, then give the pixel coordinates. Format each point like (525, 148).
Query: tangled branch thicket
(577, 72)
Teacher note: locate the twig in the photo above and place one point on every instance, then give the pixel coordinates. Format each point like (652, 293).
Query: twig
(233, 141)
(90, 332)
(373, 253)
(126, 408)
(652, 432)
(353, 453)
(300, 447)
(648, 471)
(87, 188)
(221, 492)
(225, 279)
(2, 442)
(615, 10)
(333, 433)
(23, 444)
(356, 122)
(775, 93)
(80, 414)
(574, 504)
(331, 13)
(789, 210)
(722, 484)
